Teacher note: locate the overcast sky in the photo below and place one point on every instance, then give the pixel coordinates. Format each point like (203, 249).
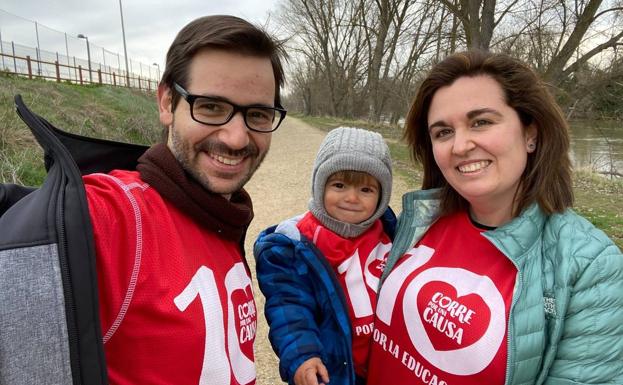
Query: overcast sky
(150, 26)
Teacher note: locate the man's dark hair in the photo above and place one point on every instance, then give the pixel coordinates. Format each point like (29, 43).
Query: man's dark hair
(223, 32)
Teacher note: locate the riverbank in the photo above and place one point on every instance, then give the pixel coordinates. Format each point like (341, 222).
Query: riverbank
(598, 198)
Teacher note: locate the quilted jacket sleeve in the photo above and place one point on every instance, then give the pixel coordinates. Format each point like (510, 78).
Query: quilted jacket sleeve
(290, 304)
(590, 349)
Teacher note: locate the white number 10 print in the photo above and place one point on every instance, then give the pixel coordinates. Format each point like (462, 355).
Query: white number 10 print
(216, 363)
(357, 278)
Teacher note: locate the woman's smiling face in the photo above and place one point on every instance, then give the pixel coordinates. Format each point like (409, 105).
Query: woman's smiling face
(479, 144)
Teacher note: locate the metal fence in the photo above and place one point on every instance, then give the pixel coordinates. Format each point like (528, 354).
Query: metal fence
(46, 53)
(77, 71)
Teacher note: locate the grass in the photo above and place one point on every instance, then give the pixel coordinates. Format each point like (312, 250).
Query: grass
(598, 199)
(113, 113)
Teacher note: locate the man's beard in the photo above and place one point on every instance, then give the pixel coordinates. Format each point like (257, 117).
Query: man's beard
(187, 156)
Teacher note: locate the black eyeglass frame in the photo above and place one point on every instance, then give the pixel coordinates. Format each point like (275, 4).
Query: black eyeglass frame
(190, 99)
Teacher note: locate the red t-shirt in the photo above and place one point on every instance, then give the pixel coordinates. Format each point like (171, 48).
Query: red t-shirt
(442, 313)
(358, 264)
(176, 301)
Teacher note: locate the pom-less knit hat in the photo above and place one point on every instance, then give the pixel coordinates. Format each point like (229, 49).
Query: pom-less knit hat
(354, 149)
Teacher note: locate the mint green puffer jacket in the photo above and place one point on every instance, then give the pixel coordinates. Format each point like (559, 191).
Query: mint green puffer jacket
(566, 321)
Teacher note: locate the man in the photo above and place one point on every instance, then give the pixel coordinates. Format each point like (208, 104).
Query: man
(175, 296)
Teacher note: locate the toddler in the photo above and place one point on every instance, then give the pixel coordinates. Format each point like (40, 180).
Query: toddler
(319, 271)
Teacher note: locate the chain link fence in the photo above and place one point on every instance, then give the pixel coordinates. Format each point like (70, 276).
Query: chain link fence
(35, 50)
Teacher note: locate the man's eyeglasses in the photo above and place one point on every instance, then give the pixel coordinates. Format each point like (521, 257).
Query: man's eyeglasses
(216, 112)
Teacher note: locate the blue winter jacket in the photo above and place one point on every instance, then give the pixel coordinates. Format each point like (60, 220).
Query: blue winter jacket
(305, 305)
(566, 320)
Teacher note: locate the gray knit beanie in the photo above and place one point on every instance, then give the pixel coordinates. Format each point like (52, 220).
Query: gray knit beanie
(354, 149)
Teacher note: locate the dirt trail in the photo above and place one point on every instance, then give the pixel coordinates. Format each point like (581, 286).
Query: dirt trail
(280, 189)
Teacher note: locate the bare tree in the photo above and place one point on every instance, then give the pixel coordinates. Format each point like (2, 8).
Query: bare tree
(329, 41)
(582, 17)
(564, 34)
(364, 58)
(479, 18)
(398, 32)
(377, 23)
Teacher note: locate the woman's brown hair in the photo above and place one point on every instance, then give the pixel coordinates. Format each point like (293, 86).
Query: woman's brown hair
(547, 177)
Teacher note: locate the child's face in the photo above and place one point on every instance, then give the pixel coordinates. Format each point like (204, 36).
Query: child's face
(349, 202)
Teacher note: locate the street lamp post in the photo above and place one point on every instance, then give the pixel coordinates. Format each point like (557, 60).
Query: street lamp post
(157, 74)
(125, 50)
(81, 36)
(158, 71)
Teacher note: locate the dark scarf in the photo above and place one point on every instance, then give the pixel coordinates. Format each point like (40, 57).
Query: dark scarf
(229, 219)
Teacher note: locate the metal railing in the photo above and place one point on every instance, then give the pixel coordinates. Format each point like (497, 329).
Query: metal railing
(75, 73)
(31, 49)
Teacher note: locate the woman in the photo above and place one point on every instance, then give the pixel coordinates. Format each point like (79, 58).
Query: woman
(492, 279)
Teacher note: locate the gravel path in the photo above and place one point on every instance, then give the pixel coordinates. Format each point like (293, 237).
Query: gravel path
(280, 189)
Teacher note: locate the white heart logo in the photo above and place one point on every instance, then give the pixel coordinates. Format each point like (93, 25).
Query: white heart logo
(460, 361)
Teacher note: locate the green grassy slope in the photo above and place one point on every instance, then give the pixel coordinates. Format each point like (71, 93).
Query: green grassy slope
(99, 111)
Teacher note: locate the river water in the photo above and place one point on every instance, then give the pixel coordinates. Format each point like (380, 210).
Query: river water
(597, 146)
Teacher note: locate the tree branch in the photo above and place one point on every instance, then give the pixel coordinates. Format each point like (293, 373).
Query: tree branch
(613, 42)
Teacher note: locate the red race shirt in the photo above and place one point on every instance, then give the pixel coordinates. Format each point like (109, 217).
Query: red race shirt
(358, 264)
(442, 313)
(176, 301)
